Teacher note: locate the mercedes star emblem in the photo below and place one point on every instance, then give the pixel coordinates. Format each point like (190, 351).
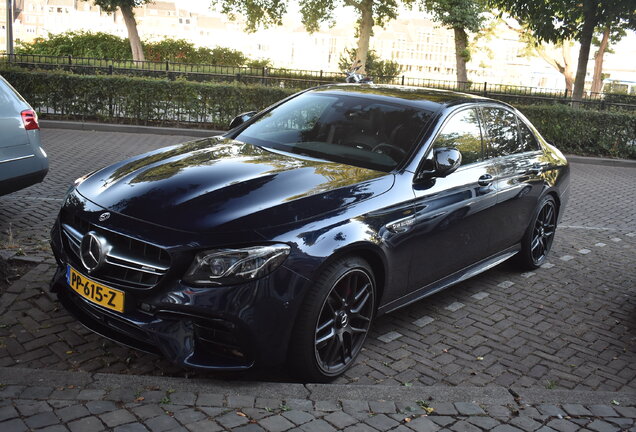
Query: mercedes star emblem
(93, 249)
(104, 216)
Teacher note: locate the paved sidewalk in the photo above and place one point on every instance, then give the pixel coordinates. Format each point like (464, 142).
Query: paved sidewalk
(81, 402)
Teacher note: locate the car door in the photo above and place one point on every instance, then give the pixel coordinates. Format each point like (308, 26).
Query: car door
(452, 214)
(514, 150)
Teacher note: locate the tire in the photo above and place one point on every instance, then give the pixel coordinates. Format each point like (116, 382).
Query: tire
(333, 321)
(537, 241)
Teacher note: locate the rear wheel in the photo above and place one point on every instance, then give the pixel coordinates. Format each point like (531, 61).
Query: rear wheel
(334, 321)
(537, 241)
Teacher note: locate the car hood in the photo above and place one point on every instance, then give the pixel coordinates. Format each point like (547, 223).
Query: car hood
(217, 182)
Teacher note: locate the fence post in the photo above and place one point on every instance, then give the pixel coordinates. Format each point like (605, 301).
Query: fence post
(167, 65)
(110, 69)
(485, 88)
(70, 59)
(565, 94)
(321, 73)
(402, 79)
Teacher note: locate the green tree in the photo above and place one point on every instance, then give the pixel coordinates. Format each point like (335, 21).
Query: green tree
(264, 13)
(462, 16)
(374, 66)
(257, 13)
(609, 35)
(370, 13)
(558, 20)
(126, 8)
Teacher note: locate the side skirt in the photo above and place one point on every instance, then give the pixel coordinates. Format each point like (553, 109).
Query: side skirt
(448, 281)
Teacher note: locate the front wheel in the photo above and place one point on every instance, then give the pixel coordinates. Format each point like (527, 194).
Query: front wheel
(537, 241)
(334, 321)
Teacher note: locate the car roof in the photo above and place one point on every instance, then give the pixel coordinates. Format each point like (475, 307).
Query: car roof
(422, 97)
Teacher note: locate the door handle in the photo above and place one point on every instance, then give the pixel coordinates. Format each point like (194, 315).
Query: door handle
(485, 180)
(535, 169)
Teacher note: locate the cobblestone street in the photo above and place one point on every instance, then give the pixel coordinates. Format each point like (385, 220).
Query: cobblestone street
(570, 325)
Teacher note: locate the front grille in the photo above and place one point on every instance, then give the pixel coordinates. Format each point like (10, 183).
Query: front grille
(128, 262)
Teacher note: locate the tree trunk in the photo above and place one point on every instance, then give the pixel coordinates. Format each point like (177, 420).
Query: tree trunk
(133, 35)
(598, 62)
(586, 42)
(562, 64)
(364, 34)
(568, 73)
(461, 44)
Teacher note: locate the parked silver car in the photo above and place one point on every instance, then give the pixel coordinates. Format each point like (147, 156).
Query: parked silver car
(23, 162)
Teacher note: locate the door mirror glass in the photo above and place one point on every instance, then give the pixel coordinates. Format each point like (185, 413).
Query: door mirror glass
(241, 118)
(447, 160)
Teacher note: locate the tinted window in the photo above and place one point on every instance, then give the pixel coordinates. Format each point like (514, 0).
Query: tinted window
(356, 130)
(462, 131)
(502, 132)
(528, 140)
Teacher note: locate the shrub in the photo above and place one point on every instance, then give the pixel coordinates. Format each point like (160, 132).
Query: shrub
(174, 50)
(122, 99)
(104, 45)
(585, 132)
(78, 44)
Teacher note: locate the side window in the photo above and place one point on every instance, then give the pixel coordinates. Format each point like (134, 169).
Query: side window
(462, 132)
(528, 140)
(502, 132)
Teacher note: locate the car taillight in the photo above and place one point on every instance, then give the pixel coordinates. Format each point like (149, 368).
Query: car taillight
(30, 120)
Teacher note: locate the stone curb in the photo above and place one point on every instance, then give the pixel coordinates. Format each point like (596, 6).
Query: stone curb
(107, 127)
(493, 395)
(625, 163)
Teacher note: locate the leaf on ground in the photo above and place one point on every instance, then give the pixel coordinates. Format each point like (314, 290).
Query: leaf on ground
(242, 414)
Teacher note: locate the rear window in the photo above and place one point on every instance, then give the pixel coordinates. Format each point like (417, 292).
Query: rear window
(10, 100)
(351, 129)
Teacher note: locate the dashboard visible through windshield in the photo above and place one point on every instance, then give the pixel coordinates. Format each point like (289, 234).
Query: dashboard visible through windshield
(352, 129)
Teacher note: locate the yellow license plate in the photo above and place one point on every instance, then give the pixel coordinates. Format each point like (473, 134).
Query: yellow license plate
(102, 295)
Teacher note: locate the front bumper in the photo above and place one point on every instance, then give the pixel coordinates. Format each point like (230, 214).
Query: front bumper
(221, 328)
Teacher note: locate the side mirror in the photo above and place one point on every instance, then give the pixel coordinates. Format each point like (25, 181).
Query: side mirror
(241, 118)
(445, 160)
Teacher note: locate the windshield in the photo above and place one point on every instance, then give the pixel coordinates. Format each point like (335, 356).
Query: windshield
(352, 129)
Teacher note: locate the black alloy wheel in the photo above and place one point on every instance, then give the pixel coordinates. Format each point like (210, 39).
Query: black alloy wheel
(334, 321)
(344, 321)
(537, 241)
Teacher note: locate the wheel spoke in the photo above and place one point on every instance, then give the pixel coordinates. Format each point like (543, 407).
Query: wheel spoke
(323, 340)
(345, 346)
(356, 310)
(535, 243)
(361, 317)
(324, 325)
(332, 352)
(548, 216)
(357, 330)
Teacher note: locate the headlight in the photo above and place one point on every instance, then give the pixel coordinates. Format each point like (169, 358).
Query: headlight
(232, 266)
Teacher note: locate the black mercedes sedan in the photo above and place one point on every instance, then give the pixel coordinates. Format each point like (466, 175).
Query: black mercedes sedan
(283, 239)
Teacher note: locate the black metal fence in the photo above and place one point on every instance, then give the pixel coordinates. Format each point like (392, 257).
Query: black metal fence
(299, 78)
